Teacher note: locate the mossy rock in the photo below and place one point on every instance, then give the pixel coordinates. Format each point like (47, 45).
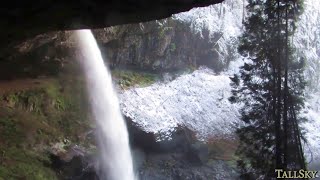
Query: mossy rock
(128, 78)
(34, 118)
(17, 163)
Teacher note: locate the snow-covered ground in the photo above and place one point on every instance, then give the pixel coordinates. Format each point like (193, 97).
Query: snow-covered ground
(198, 101)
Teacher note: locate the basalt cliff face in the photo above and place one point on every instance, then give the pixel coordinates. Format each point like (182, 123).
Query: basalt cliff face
(161, 45)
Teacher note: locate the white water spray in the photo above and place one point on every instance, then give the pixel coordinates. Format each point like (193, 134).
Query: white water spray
(115, 156)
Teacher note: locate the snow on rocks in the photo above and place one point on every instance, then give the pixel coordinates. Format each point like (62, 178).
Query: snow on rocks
(221, 22)
(312, 129)
(225, 17)
(198, 101)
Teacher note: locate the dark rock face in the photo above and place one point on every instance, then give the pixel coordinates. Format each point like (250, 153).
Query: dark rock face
(43, 55)
(182, 157)
(74, 164)
(162, 45)
(22, 19)
(174, 166)
(182, 140)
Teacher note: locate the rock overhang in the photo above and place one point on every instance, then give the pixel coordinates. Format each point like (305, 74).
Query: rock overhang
(20, 20)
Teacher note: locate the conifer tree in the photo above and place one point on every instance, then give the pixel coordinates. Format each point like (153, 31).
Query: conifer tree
(270, 87)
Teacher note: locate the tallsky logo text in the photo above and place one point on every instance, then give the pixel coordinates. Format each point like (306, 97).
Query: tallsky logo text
(300, 174)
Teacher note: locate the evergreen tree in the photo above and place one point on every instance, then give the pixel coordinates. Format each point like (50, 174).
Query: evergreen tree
(270, 88)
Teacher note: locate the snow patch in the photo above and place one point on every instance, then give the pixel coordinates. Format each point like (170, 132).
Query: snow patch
(312, 128)
(198, 101)
(225, 17)
(307, 42)
(222, 21)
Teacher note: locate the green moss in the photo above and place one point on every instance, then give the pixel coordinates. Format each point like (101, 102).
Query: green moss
(12, 99)
(232, 163)
(127, 79)
(60, 101)
(9, 130)
(52, 90)
(22, 164)
(173, 47)
(31, 120)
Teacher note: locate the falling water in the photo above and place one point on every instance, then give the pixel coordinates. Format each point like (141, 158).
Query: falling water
(115, 156)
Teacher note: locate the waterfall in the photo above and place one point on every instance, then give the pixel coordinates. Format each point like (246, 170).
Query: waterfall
(115, 161)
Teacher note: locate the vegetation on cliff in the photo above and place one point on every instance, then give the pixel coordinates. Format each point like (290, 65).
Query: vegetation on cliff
(33, 119)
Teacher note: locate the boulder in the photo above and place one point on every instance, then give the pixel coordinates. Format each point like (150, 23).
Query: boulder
(74, 163)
